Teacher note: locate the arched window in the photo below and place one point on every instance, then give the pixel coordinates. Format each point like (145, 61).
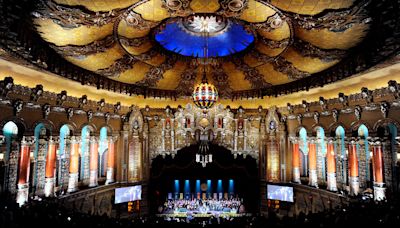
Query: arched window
(62, 166)
(42, 135)
(341, 154)
(87, 131)
(364, 153)
(10, 131)
(303, 149)
(9, 155)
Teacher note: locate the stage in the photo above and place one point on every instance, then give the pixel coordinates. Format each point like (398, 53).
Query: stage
(203, 215)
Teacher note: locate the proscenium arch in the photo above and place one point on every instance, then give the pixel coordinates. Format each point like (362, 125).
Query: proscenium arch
(182, 166)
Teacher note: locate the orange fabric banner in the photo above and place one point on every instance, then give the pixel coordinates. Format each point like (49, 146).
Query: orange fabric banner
(23, 176)
(51, 160)
(330, 157)
(312, 156)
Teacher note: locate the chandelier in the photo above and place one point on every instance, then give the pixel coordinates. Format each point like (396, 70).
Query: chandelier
(202, 156)
(205, 95)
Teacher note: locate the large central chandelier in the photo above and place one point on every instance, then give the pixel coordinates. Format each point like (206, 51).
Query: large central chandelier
(205, 95)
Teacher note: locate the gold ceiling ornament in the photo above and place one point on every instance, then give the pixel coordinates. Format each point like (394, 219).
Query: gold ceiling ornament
(287, 45)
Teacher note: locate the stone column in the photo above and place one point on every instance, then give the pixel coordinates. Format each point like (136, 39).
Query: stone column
(94, 161)
(331, 166)
(73, 165)
(353, 168)
(245, 134)
(312, 165)
(50, 168)
(377, 161)
(23, 172)
(110, 160)
(296, 161)
(235, 136)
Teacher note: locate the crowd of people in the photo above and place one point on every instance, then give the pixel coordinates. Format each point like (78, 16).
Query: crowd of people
(202, 206)
(51, 214)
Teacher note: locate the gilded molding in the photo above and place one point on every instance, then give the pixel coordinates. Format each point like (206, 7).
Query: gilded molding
(308, 50)
(123, 64)
(282, 65)
(71, 17)
(88, 49)
(335, 21)
(251, 74)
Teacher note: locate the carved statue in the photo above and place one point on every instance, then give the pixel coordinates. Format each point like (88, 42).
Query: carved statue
(323, 103)
(70, 113)
(46, 110)
(335, 115)
(343, 99)
(299, 118)
(385, 109)
(36, 93)
(6, 86)
(101, 104)
(89, 115)
(316, 117)
(117, 107)
(366, 94)
(290, 108)
(18, 105)
(61, 98)
(357, 112)
(305, 105)
(83, 101)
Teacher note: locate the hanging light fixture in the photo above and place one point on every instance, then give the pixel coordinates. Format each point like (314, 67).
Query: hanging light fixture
(202, 156)
(205, 95)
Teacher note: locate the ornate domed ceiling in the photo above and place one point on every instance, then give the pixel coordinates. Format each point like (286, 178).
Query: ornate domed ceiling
(253, 46)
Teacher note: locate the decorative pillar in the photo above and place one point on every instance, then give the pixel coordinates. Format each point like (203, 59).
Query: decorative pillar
(172, 135)
(245, 134)
(296, 161)
(135, 161)
(235, 142)
(73, 165)
(110, 160)
(145, 151)
(94, 161)
(163, 135)
(377, 166)
(331, 166)
(353, 169)
(23, 173)
(312, 166)
(50, 168)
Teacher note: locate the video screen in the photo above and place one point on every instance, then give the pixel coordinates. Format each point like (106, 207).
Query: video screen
(128, 194)
(282, 193)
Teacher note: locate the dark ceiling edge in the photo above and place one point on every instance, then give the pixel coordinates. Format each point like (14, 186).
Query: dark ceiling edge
(23, 42)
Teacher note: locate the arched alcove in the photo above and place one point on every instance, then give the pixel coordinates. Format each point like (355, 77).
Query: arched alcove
(341, 156)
